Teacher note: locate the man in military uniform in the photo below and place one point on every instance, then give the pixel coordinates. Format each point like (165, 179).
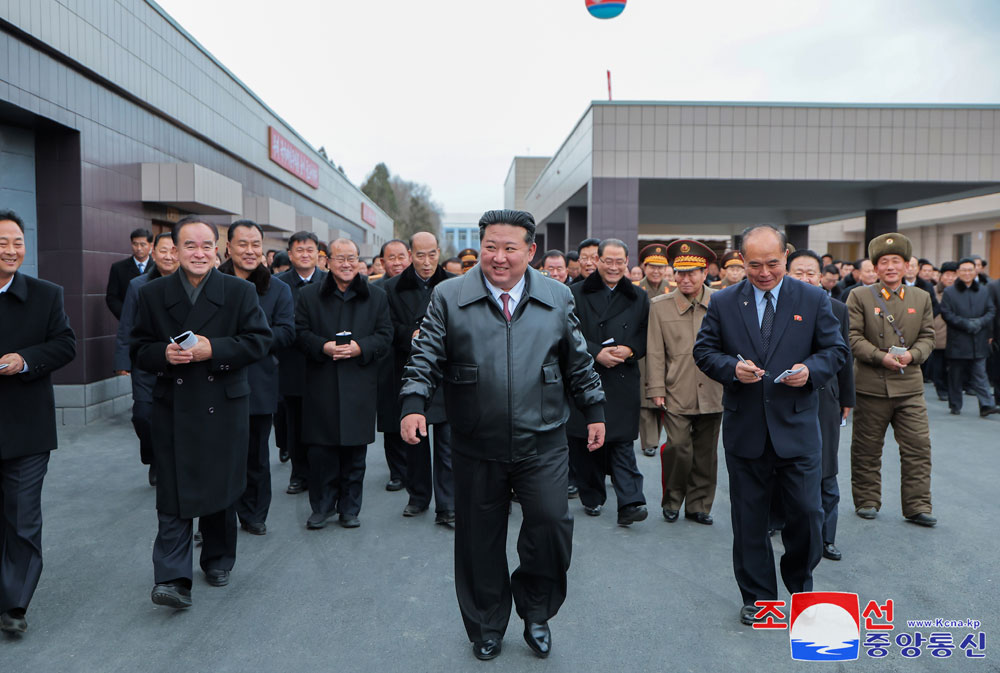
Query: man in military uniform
(692, 402)
(732, 270)
(469, 258)
(892, 332)
(653, 259)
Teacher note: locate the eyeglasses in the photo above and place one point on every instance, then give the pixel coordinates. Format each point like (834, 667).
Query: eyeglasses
(351, 259)
(613, 262)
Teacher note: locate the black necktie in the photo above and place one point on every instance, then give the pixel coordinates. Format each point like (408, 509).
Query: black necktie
(768, 322)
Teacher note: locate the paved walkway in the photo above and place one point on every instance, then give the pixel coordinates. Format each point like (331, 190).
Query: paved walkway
(656, 597)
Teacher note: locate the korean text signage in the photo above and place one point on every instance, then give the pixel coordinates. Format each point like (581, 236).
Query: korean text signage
(292, 159)
(368, 214)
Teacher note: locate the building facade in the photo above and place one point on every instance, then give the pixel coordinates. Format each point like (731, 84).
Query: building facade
(112, 117)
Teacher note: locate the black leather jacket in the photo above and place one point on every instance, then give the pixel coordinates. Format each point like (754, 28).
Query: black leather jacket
(505, 384)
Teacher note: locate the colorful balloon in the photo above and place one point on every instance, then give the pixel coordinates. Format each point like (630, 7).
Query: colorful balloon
(605, 9)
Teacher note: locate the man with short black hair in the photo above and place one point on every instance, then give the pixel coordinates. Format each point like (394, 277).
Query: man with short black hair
(504, 342)
(199, 331)
(969, 311)
(588, 257)
(123, 271)
(165, 262)
(554, 263)
(343, 328)
(303, 251)
(245, 238)
(35, 341)
(453, 265)
(572, 266)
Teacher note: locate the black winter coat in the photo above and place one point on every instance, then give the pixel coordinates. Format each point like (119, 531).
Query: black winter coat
(623, 319)
(201, 410)
(407, 305)
(36, 327)
(505, 383)
(338, 400)
(835, 394)
(968, 311)
(275, 299)
(291, 361)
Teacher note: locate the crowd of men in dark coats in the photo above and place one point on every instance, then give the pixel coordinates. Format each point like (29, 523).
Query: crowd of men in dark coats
(220, 351)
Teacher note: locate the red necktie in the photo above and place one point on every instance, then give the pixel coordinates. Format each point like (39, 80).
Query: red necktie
(506, 306)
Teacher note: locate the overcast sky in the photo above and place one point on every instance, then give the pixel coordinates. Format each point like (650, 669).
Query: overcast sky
(446, 92)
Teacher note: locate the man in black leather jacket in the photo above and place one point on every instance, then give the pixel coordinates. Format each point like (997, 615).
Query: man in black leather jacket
(506, 345)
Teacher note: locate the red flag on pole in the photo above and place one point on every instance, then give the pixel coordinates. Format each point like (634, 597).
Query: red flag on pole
(609, 85)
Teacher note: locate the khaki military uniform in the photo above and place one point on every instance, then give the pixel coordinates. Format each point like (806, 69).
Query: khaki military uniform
(886, 397)
(689, 460)
(650, 416)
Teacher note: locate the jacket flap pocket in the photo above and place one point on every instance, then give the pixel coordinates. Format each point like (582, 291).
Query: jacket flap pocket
(463, 374)
(239, 389)
(551, 373)
(803, 403)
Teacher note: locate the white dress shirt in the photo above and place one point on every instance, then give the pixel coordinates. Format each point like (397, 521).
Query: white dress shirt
(514, 292)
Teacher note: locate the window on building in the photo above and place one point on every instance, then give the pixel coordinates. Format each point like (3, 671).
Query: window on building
(963, 245)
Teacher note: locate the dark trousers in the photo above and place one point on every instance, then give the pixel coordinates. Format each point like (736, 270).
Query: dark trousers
(936, 369)
(298, 451)
(336, 475)
(830, 495)
(256, 499)
(395, 455)
(420, 481)
(20, 528)
(968, 374)
(483, 582)
(592, 467)
(172, 550)
(142, 413)
(751, 484)
(993, 369)
(281, 425)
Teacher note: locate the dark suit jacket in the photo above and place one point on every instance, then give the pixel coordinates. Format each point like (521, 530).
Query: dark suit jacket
(291, 361)
(407, 306)
(805, 330)
(338, 396)
(36, 327)
(623, 319)
(119, 276)
(837, 393)
(201, 410)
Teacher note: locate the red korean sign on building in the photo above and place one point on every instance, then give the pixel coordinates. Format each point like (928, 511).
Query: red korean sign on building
(292, 159)
(368, 214)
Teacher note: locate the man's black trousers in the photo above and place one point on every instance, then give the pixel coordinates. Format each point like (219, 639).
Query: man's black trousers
(256, 500)
(616, 459)
(173, 553)
(421, 480)
(483, 582)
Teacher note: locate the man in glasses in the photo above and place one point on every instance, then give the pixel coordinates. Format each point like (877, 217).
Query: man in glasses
(343, 328)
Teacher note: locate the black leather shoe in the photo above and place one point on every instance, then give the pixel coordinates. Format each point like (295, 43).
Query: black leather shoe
(217, 577)
(254, 528)
(349, 521)
(317, 520)
(703, 518)
(631, 514)
(539, 638)
(13, 621)
(152, 475)
(593, 511)
(867, 512)
(747, 613)
(413, 510)
(296, 486)
(651, 451)
(955, 412)
(922, 519)
(445, 517)
(487, 649)
(283, 455)
(394, 485)
(572, 492)
(172, 595)
(988, 411)
(831, 552)
(670, 514)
